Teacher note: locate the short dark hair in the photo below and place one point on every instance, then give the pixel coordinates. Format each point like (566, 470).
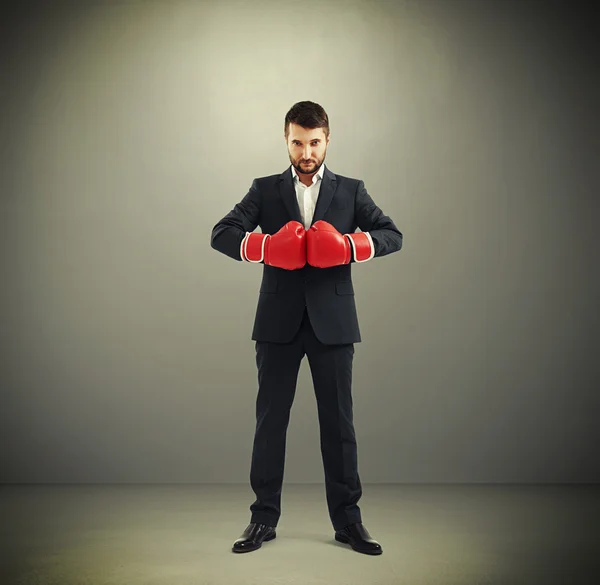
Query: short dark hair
(308, 115)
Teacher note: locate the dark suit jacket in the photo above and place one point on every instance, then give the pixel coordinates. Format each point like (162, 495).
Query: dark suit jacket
(328, 293)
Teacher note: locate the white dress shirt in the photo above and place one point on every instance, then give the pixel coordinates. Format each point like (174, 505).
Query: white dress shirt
(307, 196)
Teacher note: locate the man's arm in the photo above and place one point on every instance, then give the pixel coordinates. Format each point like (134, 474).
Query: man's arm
(228, 233)
(386, 237)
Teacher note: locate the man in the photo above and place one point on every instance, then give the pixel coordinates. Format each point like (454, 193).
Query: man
(308, 216)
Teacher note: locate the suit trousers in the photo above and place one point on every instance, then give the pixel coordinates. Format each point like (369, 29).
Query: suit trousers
(331, 369)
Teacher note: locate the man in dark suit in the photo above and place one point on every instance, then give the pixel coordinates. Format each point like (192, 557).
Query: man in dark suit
(308, 216)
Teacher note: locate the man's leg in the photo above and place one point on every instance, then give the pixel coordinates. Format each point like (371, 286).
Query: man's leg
(278, 365)
(331, 369)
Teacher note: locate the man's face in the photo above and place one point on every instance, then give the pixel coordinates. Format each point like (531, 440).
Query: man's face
(306, 148)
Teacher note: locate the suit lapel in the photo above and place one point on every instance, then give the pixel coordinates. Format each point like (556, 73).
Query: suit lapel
(328, 185)
(288, 195)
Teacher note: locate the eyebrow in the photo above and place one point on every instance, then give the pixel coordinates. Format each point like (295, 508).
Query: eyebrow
(317, 139)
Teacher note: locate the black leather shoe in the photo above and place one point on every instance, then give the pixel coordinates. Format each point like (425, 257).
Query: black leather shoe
(359, 539)
(253, 537)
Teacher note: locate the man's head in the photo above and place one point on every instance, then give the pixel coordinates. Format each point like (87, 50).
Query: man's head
(306, 132)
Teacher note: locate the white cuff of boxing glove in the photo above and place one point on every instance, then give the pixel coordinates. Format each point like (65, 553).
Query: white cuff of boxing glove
(244, 248)
(363, 248)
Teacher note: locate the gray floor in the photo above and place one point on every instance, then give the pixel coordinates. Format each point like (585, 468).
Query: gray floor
(182, 534)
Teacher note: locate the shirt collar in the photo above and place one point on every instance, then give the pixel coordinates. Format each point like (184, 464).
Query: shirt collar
(319, 174)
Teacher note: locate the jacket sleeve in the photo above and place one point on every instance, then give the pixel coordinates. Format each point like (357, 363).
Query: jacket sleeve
(386, 237)
(228, 233)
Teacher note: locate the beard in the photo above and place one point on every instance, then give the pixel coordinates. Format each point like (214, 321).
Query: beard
(307, 169)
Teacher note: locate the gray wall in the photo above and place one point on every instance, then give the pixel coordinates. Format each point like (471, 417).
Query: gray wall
(130, 128)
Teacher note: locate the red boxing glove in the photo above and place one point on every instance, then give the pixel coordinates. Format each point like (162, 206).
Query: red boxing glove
(326, 247)
(285, 249)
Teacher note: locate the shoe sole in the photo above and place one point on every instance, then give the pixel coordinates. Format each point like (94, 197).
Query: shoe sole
(346, 540)
(244, 550)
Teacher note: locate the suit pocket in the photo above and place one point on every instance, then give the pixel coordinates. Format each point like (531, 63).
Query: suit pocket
(344, 287)
(337, 203)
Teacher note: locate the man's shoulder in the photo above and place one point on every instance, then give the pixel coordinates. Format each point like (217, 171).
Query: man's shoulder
(268, 179)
